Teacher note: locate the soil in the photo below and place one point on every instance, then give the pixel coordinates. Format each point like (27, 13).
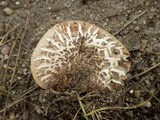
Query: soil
(136, 23)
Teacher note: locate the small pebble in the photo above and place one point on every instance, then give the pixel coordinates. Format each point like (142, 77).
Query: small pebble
(134, 22)
(5, 50)
(131, 91)
(149, 51)
(136, 29)
(17, 3)
(144, 22)
(17, 115)
(5, 65)
(3, 3)
(59, 19)
(91, 16)
(148, 104)
(129, 113)
(147, 81)
(49, 8)
(18, 78)
(156, 47)
(25, 71)
(8, 11)
(38, 110)
(6, 57)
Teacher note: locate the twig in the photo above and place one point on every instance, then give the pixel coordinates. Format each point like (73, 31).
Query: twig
(129, 22)
(119, 108)
(137, 83)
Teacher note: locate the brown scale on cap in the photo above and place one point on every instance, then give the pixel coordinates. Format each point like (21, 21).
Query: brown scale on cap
(81, 53)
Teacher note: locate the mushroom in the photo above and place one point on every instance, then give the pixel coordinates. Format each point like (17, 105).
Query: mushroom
(81, 53)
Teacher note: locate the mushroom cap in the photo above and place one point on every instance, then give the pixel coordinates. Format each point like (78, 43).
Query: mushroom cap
(74, 50)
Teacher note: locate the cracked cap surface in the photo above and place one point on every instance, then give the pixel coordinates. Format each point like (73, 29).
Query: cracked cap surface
(74, 46)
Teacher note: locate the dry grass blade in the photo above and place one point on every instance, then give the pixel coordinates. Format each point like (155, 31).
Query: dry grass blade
(28, 91)
(150, 92)
(32, 104)
(146, 71)
(120, 11)
(97, 116)
(3, 38)
(12, 48)
(82, 107)
(121, 108)
(14, 71)
(137, 83)
(129, 22)
(20, 98)
(76, 114)
(5, 91)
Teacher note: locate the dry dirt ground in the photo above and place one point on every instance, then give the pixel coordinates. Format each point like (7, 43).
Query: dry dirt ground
(136, 23)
